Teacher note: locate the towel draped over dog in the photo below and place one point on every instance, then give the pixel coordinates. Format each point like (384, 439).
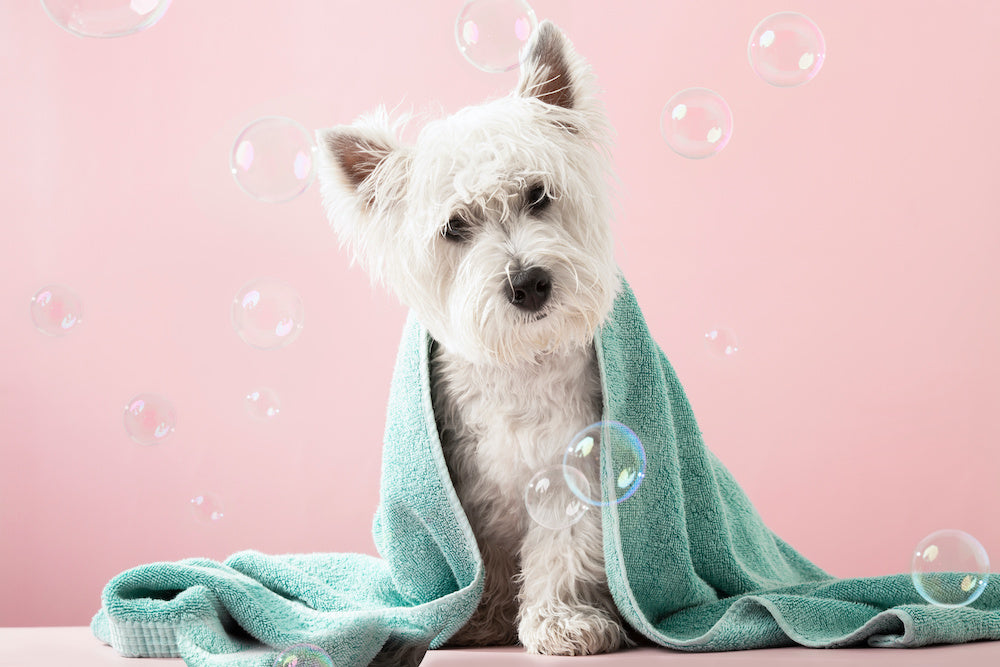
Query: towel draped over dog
(689, 561)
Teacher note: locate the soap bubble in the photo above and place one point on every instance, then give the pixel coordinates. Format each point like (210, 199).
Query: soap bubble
(267, 314)
(263, 403)
(149, 418)
(105, 18)
(950, 568)
(722, 343)
(207, 508)
(303, 655)
(491, 33)
(607, 449)
(549, 499)
(786, 49)
(56, 310)
(272, 159)
(696, 123)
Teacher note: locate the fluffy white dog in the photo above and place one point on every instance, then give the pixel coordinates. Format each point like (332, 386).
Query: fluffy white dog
(494, 230)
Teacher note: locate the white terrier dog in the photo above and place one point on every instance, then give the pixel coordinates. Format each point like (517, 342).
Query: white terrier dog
(494, 230)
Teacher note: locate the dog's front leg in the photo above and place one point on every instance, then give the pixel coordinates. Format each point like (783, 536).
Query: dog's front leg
(565, 605)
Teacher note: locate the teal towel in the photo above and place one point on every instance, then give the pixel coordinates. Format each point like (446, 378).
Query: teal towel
(690, 563)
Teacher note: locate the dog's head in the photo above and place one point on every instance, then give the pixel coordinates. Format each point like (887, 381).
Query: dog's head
(494, 227)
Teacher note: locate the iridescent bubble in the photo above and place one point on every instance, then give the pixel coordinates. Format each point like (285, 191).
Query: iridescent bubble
(605, 450)
(950, 568)
(786, 49)
(56, 310)
(549, 499)
(491, 33)
(272, 159)
(263, 403)
(303, 655)
(105, 18)
(267, 314)
(207, 509)
(696, 123)
(721, 343)
(149, 418)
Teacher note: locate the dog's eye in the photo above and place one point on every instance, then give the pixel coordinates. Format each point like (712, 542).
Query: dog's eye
(456, 230)
(538, 200)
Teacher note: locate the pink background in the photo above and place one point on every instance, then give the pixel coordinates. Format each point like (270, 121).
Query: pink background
(848, 236)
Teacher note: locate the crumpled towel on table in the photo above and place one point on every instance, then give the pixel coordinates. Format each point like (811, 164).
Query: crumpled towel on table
(690, 563)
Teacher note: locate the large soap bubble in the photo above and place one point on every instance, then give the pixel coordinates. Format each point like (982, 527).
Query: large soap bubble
(950, 568)
(105, 18)
(491, 33)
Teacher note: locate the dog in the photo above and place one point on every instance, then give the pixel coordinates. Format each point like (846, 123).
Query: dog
(493, 228)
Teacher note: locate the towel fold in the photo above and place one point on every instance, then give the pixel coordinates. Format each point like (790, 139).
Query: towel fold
(690, 563)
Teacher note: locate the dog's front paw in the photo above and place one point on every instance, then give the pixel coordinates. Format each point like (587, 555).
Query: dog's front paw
(565, 630)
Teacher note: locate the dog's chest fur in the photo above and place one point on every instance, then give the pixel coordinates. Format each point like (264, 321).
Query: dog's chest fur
(501, 425)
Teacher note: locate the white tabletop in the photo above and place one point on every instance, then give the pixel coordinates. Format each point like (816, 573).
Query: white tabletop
(76, 647)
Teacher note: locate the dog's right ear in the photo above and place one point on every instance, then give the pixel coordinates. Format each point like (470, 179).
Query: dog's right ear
(354, 158)
(362, 172)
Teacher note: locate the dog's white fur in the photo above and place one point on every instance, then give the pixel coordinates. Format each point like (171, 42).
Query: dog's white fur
(445, 224)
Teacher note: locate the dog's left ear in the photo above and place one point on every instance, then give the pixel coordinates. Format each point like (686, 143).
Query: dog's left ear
(550, 69)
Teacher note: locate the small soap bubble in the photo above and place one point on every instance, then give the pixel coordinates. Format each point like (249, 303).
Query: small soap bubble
(491, 33)
(207, 509)
(56, 310)
(149, 418)
(696, 123)
(549, 499)
(303, 655)
(263, 403)
(105, 18)
(607, 449)
(786, 49)
(950, 568)
(721, 343)
(267, 314)
(272, 159)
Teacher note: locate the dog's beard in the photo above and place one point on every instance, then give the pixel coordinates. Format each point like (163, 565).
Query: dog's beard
(486, 328)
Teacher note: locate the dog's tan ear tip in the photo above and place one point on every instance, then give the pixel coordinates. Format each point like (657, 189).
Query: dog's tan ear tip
(547, 70)
(355, 153)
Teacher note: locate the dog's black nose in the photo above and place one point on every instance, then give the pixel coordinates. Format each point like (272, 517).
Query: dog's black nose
(529, 289)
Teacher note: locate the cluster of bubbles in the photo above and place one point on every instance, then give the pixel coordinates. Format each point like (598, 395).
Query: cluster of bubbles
(303, 655)
(950, 568)
(266, 314)
(785, 49)
(272, 158)
(603, 464)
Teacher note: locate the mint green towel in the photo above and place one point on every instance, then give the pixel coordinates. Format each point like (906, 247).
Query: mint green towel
(690, 563)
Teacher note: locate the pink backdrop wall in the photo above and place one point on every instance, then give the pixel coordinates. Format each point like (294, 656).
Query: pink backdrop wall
(847, 235)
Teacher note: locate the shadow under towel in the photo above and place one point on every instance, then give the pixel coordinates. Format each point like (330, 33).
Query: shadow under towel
(690, 563)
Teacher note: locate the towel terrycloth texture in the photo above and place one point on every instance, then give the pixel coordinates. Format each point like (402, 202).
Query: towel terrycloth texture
(690, 563)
